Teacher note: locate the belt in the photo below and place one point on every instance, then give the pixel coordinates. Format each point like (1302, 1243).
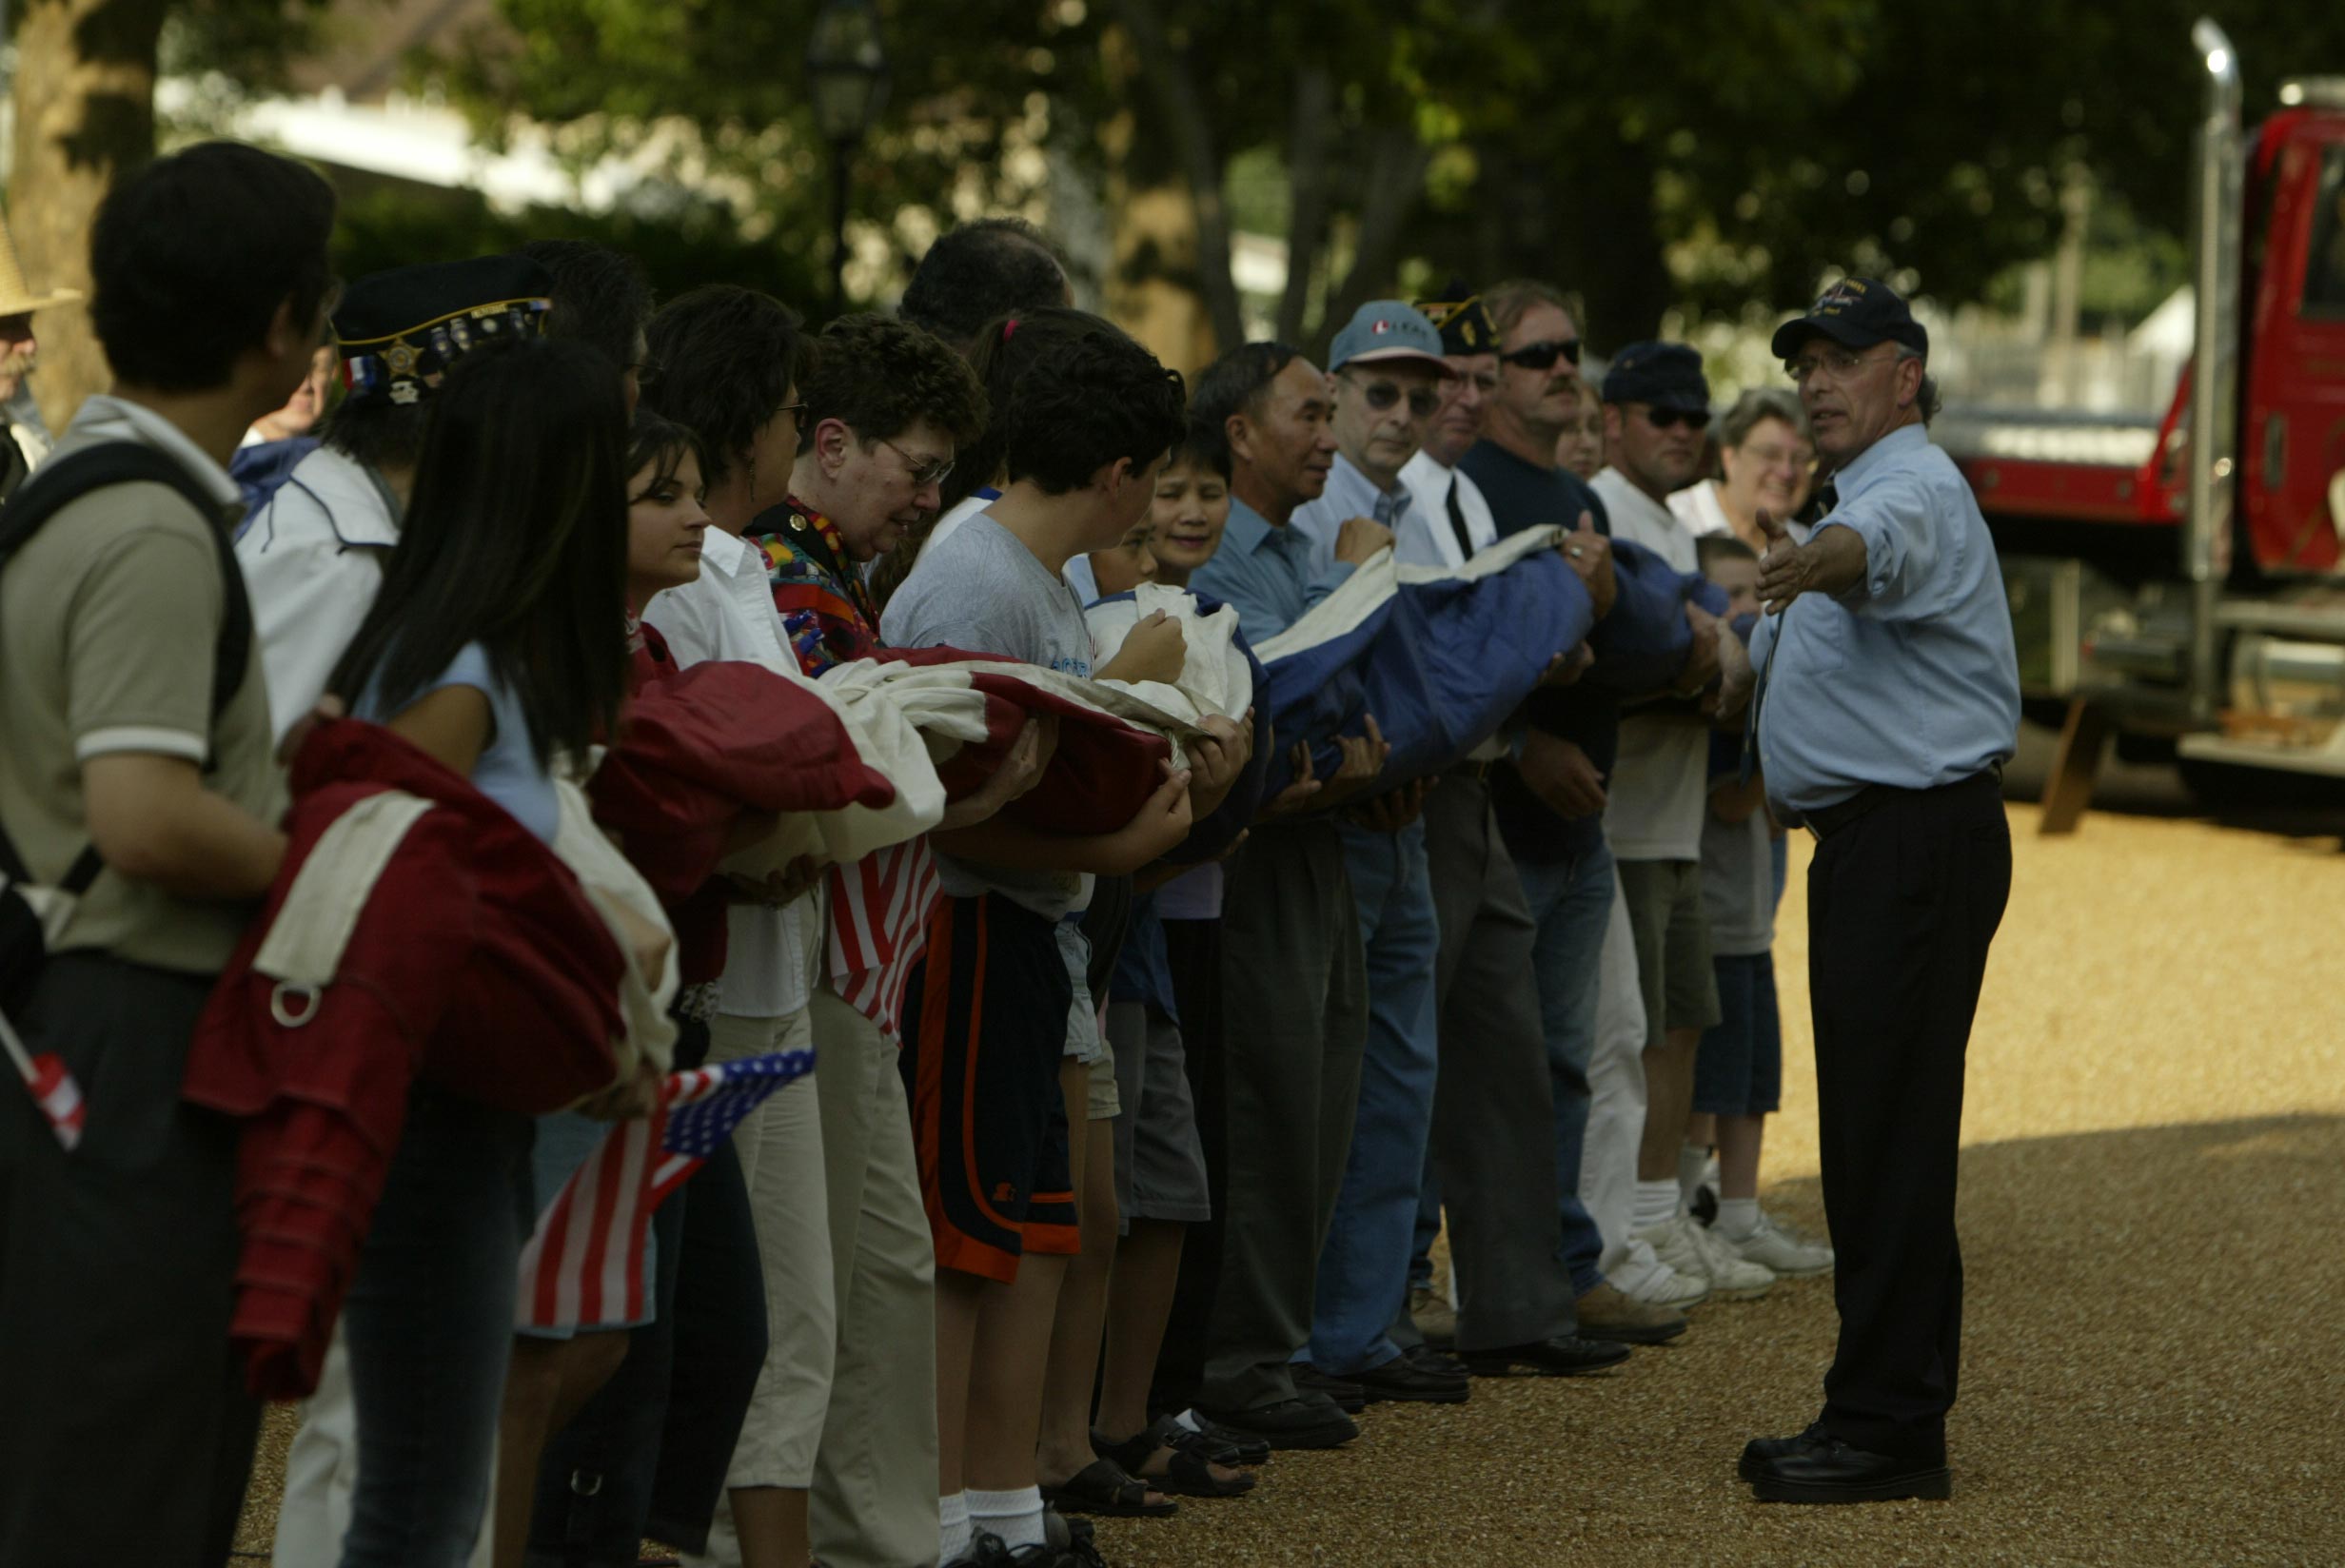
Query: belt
(1478, 771)
(1823, 822)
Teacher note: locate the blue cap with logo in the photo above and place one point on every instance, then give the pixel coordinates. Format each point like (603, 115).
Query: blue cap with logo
(1666, 375)
(1855, 313)
(1383, 331)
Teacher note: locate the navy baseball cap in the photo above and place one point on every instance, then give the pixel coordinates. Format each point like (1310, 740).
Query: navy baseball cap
(1855, 313)
(1383, 331)
(1666, 375)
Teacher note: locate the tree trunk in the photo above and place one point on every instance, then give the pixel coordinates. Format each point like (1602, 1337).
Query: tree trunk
(85, 114)
(1174, 88)
(1622, 274)
(1395, 180)
(1307, 194)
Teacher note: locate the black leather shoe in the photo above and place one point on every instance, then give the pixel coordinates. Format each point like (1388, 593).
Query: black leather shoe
(1304, 1422)
(1761, 1451)
(1563, 1357)
(1824, 1469)
(1427, 1359)
(1403, 1380)
(1347, 1393)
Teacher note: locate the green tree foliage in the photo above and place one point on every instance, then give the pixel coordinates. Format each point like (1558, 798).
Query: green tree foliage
(1700, 160)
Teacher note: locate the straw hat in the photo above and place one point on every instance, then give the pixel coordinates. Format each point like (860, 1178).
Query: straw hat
(16, 296)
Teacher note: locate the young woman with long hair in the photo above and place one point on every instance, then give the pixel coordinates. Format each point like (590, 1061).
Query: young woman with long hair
(491, 647)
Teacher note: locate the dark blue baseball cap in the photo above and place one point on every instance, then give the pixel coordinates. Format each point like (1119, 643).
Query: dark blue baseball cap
(1666, 375)
(1855, 313)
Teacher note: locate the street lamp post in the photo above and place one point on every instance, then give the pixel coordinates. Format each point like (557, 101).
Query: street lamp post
(847, 78)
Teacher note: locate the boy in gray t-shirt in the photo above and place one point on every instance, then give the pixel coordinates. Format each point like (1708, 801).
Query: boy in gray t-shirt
(984, 591)
(1084, 417)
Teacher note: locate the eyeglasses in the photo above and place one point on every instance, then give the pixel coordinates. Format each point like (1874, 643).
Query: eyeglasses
(1541, 356)
(1669, 419)
(924, 471)
(646, 372)
(1840, 361)
(1423, 401)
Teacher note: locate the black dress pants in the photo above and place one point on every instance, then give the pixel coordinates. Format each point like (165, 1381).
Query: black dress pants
(1903, 901)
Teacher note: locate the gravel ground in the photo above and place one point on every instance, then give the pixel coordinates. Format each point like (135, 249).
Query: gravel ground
(2154, 1360)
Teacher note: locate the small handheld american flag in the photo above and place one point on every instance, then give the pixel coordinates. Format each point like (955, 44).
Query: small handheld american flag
(52, 1087)
(586, 1263)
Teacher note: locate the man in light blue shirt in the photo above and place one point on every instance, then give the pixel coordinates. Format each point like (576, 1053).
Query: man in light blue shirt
(1888, 700)
(1385, 372)
(1292, 972)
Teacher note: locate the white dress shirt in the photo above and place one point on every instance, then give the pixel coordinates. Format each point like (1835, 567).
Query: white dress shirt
(727, 612)
(1428, 538)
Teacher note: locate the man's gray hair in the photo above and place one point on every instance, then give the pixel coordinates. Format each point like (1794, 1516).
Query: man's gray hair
(1927, 400)
(1754, 409)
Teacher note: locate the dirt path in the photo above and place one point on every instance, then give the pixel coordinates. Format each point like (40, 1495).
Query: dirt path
(2155, 1350)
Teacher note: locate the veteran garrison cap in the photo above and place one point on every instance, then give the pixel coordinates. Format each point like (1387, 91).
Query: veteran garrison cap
(1463, 321)
(1855, 313)
(399, 331)
(1666, 374)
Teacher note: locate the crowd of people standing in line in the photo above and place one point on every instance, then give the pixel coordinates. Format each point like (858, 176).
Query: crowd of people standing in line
(1120, 1170)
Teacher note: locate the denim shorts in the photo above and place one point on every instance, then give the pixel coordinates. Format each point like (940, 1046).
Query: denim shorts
(1739, 1069)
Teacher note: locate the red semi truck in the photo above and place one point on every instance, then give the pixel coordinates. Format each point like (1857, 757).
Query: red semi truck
(2179, 583)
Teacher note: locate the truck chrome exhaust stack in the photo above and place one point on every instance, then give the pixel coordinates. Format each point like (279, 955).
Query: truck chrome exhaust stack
(2215, 222)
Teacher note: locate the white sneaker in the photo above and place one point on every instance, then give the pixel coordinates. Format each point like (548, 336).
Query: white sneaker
(1686, 1245)
(1773, 1246)
(1642, 1277)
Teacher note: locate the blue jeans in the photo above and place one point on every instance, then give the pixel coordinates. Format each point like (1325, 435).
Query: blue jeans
(1364, 1263)
(430, 1324)
(1572, 902)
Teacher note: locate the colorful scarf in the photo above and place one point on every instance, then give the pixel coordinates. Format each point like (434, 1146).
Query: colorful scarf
(825, 608)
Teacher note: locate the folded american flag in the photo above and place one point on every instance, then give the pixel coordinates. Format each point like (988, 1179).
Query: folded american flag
(586, 1263)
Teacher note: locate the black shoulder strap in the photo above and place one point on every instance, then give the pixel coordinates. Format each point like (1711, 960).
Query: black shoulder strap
(65, 479)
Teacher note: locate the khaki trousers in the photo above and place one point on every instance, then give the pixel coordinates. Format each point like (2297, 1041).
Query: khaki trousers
(874, 1485)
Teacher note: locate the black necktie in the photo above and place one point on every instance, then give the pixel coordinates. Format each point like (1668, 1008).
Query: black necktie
(1457, 523)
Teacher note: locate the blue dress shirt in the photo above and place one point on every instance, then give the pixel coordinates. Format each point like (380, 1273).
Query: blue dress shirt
(1909, 678)
(1349, 494)
(1266, 574)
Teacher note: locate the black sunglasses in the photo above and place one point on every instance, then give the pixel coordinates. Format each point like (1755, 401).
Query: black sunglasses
(1669, 419)
(1423, 401)
(1541, 356)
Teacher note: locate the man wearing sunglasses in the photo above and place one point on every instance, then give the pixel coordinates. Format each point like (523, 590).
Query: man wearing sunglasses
(1386, 379)
(1550, 803)
(1656, 404)
(1888, 702)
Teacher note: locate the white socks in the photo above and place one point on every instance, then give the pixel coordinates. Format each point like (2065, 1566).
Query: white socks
(1691, 1161)
(954, 1532)
(1738, 1218)
(1015, 1516)
(1657, 1205)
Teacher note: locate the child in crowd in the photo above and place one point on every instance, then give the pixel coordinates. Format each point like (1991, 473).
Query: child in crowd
(1738, 1068)
(491, 647)
(1081, 1477)
(1161, 1162)
(1580, 447)
(1087, 422)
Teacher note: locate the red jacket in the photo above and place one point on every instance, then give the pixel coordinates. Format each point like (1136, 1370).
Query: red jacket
(472, 961)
